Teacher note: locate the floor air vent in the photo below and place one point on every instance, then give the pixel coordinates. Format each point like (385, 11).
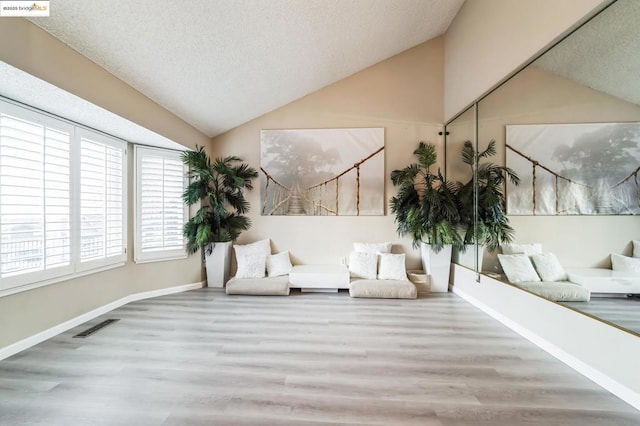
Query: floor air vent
(97, 327)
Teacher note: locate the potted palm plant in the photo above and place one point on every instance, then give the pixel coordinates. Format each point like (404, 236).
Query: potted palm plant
(218, 186)
(488, 224)
(427, 210)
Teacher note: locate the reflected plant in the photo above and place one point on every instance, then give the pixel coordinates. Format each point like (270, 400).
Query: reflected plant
(492, 225)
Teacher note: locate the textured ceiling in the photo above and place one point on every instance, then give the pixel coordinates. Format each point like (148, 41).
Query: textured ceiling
(603, 54)
(220, 63)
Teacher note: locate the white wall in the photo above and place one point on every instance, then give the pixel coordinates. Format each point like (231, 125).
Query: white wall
(489, 39)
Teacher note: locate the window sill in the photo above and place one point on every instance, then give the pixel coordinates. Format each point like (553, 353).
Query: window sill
(161, 259)
(32, 286)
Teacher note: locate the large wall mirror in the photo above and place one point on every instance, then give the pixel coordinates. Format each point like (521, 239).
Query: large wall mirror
(569, 125)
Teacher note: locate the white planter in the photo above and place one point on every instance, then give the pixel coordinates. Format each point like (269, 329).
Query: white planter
(468, 258)
(437, 266)
(218, 264)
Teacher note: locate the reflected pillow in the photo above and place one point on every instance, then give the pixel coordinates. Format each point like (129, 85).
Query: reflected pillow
(279, 264)
(392, 267)
(624, 263)
(372, 247)
(636, 248)
(548, 267)
(518, 268)
(528, 249)
(363, 265)
(251, 265)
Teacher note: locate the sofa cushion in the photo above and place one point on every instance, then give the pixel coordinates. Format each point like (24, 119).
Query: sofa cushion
(558, 291)
(384, 289)
(363, 265)
(268, 286)
(279, 264)
(518, 268)
(251, 265)
(625, 263)
(392, 267)
(548, 267)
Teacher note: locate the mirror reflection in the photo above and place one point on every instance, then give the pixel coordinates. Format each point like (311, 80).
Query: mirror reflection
(459, 131)
(569, 126)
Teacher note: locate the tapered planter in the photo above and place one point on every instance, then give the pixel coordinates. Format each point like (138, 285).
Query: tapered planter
(437, 266)
(468, 258)
(218, 264)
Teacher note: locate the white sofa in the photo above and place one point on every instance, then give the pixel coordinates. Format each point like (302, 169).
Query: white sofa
(600, 280)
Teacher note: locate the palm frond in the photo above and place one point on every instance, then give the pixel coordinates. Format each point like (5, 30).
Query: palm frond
(485, 222)
(219, 187)
(426, 206)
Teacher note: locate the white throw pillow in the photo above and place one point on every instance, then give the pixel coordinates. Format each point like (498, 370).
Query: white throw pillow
(548, 267)
(363, 265)
(392, 267)
(278, 264)
(372, 247)
(260, 247)
(528, 249)
(625, 263)
(636, 248)
(251, 265)
(518, 268)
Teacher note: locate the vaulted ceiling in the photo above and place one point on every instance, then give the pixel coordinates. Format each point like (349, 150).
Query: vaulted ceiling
(220, 63)
(602, 55)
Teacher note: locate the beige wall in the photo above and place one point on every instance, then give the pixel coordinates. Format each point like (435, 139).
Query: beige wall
(29, 312)
(538, 97)
(404, 95)
(489, 39)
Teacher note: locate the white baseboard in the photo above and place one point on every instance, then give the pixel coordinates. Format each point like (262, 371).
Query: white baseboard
(616, 388)
(30, 341)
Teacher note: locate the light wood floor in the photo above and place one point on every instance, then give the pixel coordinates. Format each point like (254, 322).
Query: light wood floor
(204, 358)
(621, 311)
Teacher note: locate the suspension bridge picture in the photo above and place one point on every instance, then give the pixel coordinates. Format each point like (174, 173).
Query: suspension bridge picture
(322, 172)
(574, 169)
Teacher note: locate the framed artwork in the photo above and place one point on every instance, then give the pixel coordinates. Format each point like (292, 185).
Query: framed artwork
(322, 172)
(574, 169)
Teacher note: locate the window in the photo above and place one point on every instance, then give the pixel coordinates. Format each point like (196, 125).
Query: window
(160, 213)
(62, 198)
(102, 203)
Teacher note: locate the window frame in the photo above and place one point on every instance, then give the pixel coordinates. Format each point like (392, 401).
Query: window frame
(140, 151)
(30, 280)
(113, 143)
(43, 120)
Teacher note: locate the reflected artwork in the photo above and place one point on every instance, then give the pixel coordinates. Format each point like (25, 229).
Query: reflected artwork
(322, 172)
(574, 169)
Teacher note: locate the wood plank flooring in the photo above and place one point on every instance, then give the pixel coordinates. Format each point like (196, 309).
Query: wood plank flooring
(621, 311)
(205, 358)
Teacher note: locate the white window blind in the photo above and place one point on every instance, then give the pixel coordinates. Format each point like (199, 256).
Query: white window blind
(35, 197)
(62, 198)
(160, 212)
(102, 202)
